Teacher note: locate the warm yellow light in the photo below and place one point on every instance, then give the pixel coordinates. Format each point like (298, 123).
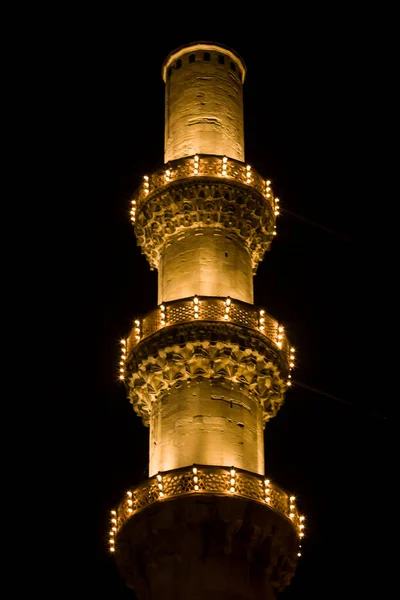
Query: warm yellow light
(196, 487)
(121, 362)
(274, 233)
(279, 344)
(227, 309)
(121, 370)
(291, 365)
(111, 541)
(113, 512)
(146, 177)
(301, 526)
(112, 549)
(289, 376)
(195, 479)
(228, 301)
(129, 494)
(262, 311)
(196, 316)
(159, 477)
(232, 490)
(114, 528)
(161, 494)
(291, 507)
(196, 171)
(233, 472)
(262, 320)
(162, 307)
(289, 383)
(224, 160)
(292, 498)
(130, 502)
(276, 199)
(280, 336)
(267, 491)
(248, 168)
(302, 518)
(292, 350)
(268, 195)
(262, 327)
(266, 481)
(196, 158)
(123, 342)
(291, 515)
(121, 377)
(226, 317)
(299, 554)
(111, 533)
(301, 534)
(162, 322)
(268, 499)
(280, 328)
(114, 521)
(130, 510)
(195, 300)
(232, 481)
(196, 308)
(194, 470)
(168, 172)
(160, 486)
(137, 322)
(268, 182)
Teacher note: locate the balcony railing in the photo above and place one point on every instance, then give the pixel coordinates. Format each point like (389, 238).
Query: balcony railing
(203, 166)
(215, 309)
(206, 480)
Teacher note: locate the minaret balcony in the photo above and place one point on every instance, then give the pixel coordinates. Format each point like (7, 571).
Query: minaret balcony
(203, 166)
(206, 480)
(213, 309)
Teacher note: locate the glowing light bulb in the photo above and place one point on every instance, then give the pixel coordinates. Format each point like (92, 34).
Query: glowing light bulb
(114, 521)
(232, 490)
(129, 494)
(248, 168)
(291, 515)
(123, 342)
(224, 160)
(194, 470)
(226, 317)
(299, 554)
(113, 512)
(280, 329)
(276, 199)
(233, 472)
(232, 481)
(266, 481)
(162, 307)
(301, 534)
(130, 502)
(159, 477)
(195, 479)
(302, 518)
(196, 171)
(112, 549)
(262, 312)
(195, 300)
(292, 498)
(289, 383)
(196, 158)
(121, 377)
(161, 494)
(268, 182)
(301, 526)
(268, 499)
(196, 487)
(228, 301)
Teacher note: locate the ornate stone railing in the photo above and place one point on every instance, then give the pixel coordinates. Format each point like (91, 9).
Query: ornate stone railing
(203, 165)
(208, 308)
(206, 480)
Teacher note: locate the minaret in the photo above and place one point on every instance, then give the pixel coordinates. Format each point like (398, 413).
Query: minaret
(206, 369)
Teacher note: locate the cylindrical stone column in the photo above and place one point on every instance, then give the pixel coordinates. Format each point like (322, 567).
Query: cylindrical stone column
(209, 425)
(206, 262)
(203, 102)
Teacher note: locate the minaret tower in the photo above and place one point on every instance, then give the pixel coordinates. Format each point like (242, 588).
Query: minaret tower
(206, 369)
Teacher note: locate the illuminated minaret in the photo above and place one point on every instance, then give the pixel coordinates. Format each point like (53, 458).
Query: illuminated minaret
(206, 369)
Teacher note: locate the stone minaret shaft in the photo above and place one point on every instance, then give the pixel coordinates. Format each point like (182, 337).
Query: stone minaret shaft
(206, 369)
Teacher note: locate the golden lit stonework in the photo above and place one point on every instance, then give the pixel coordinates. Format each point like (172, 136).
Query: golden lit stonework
(206, 369)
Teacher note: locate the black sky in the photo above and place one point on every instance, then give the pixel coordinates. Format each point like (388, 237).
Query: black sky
(319, 112)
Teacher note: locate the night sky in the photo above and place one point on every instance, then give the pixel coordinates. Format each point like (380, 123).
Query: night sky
(318, 108)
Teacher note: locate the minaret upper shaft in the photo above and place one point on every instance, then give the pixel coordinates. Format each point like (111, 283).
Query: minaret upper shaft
(203, 102)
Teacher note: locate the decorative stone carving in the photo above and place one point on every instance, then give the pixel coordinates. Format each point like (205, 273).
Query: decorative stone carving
(193, 204)
(205, 351)
(215, 547)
